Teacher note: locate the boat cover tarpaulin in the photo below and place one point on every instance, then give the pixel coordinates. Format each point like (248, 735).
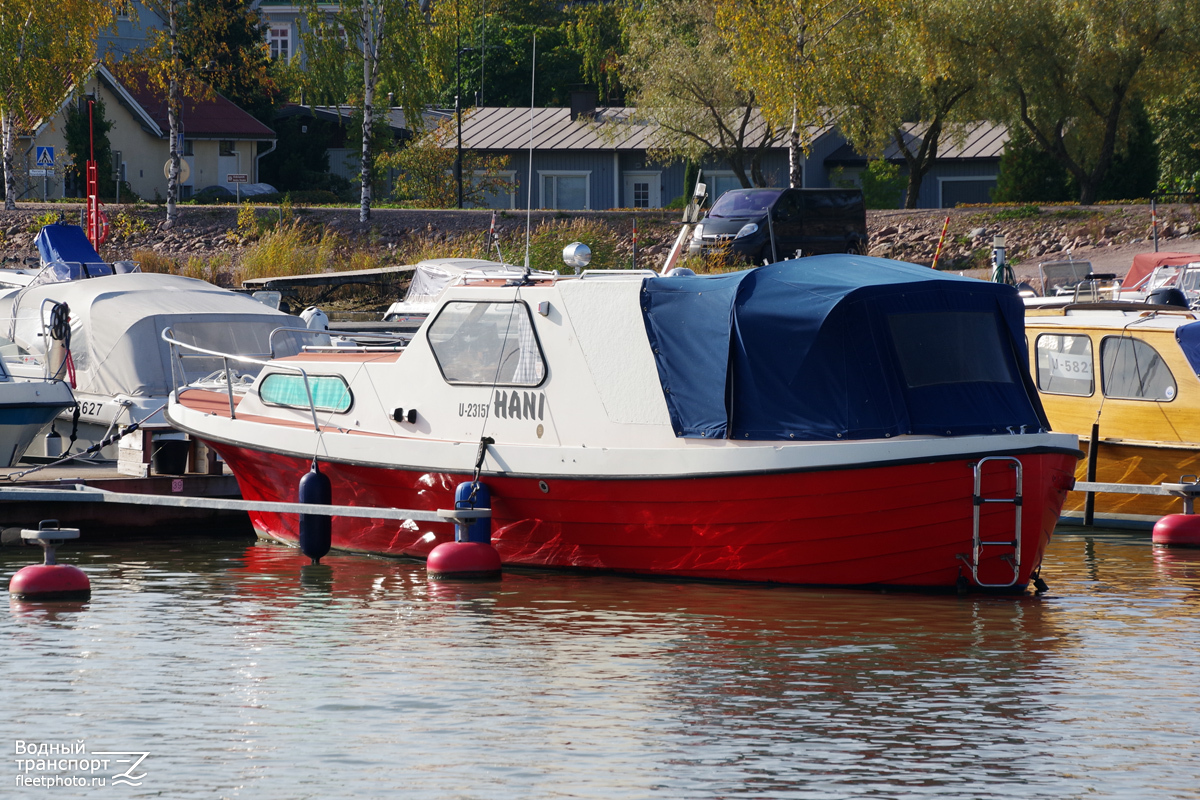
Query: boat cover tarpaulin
(117, 323)
(1188, 337)
(840, 347)
(1146, 263)
(69, 244)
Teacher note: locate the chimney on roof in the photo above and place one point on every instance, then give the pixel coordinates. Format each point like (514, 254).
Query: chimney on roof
(583, 104)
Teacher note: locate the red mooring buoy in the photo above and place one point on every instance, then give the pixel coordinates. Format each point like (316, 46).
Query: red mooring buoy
(463, 561)
(50, 580)
(471, 555)
(1178, 530)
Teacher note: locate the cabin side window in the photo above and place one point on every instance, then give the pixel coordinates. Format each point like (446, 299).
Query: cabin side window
(1130, 369)
(487, 343)
(1064, 364)
(329, 392)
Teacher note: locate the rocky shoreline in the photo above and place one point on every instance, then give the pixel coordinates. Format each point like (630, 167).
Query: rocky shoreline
(1032, 233)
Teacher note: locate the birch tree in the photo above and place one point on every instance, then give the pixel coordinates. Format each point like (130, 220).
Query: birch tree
(362, 48)
(44, 50)
(162, 68)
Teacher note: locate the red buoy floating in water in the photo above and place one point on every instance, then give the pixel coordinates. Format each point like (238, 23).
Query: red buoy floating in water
(471, 555)
(1178, 530)
(463, 561)
(50, 580)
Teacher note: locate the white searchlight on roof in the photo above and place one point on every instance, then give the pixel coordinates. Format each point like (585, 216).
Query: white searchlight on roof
(577, 255)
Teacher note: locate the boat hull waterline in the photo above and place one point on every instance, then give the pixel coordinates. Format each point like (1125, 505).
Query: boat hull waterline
(895, 525)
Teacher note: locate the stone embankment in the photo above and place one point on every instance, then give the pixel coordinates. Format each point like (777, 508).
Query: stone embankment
(1032, 233)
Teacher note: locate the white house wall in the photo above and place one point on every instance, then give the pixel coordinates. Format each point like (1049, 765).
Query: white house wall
(143, 153)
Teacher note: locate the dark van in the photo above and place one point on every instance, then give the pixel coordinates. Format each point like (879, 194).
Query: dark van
(804, 221)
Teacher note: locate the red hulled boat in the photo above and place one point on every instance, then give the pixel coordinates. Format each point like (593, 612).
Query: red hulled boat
(836, 420)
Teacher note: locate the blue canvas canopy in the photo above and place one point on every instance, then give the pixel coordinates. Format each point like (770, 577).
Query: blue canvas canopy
(69, 244)
(840, 347)
(1188, 337)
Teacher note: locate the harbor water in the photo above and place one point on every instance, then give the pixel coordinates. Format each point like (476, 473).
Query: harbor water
(228, 668)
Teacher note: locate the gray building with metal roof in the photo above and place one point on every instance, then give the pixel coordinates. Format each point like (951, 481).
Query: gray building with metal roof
(607, 158)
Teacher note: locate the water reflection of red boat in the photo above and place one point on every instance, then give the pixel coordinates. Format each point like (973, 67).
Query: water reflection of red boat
(821, 421)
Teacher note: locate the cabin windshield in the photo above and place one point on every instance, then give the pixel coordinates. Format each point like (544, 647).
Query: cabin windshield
(487, 343)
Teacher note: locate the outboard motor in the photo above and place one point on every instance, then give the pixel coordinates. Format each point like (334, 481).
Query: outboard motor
(1167, 296)
(315, 319)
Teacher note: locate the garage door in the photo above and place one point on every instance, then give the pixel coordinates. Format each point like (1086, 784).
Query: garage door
(971, 191)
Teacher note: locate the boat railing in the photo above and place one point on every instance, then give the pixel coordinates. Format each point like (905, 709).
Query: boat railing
(617, 273)
(356, 336)
(177, 347)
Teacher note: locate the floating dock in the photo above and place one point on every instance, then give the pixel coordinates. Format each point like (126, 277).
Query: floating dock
(20, 509)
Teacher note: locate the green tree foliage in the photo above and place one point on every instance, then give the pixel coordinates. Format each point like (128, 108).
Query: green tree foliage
(1066, 70)
(790, 53)
(578, 45)
(300, 160)
(1176, 118)
(1028, 174)
(596, 33)
(882, 184)
(502, 74)
(913, 67)
(1134, 171)
(425, 165)
(681, 75)
(226, 39)
(79, 141)
(43, 50)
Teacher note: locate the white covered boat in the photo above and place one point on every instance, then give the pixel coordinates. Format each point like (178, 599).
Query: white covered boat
(431, 277)
(120, 367)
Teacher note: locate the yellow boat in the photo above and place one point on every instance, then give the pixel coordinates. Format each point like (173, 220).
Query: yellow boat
(1132, 370)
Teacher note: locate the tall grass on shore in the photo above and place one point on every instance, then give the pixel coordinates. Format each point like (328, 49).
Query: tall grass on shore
(289, 246)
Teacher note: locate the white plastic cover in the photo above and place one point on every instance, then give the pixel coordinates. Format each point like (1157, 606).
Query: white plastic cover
(117, 322)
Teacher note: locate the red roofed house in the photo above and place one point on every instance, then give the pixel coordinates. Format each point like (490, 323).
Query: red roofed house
(219, 139)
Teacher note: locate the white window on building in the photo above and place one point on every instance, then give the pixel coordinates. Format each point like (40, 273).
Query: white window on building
(501, 197)
(279, 37)
(566, 190)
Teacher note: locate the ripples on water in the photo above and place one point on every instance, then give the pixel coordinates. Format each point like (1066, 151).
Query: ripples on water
(248, 675)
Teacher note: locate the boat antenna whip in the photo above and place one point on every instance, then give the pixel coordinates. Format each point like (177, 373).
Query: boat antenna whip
(529, 180)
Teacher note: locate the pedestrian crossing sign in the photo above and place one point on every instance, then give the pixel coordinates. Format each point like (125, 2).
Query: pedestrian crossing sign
(45, 156)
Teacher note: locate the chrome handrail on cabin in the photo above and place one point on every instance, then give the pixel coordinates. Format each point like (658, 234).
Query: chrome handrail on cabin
(168, 337)
(339, 334)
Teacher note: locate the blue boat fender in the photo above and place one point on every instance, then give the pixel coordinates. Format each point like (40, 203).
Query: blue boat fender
(316, 530)
(472, 495)
(471, 555)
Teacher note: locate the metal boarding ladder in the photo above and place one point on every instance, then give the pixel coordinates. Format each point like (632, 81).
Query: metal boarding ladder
(977, 543)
